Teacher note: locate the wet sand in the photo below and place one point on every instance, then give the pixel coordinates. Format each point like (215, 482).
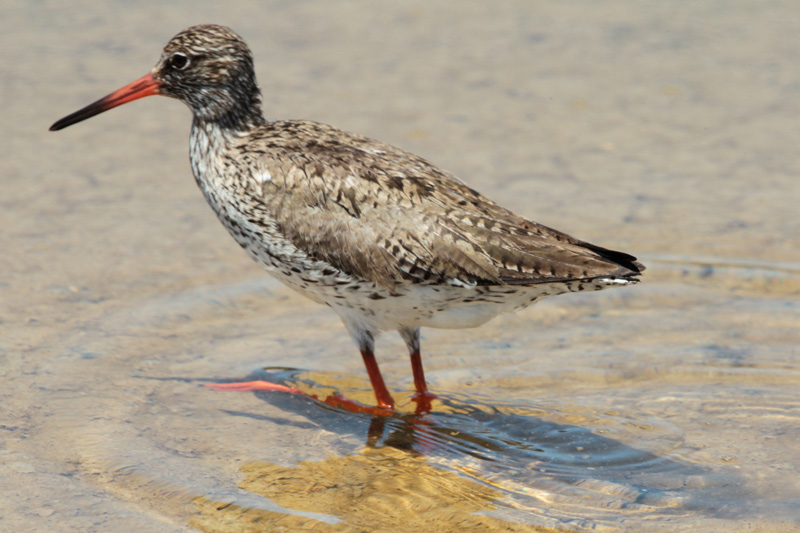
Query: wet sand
(668, 131)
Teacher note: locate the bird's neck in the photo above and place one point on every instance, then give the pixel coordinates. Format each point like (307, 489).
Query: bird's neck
(233, 110)
(211, 150)
(209, 145)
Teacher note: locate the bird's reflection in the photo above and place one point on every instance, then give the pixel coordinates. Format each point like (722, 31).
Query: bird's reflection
(513, 447)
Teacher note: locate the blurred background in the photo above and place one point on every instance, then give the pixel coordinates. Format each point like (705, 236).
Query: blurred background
(667, 130)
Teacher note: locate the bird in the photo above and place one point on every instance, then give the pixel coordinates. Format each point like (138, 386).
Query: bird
(383, 237)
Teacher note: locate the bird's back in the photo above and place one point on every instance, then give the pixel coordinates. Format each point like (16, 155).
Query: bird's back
(386, 216)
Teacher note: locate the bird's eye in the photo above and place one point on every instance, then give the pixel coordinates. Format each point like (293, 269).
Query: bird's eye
(178, 61)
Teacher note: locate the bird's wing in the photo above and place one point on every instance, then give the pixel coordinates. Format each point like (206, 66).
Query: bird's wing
(388, 216)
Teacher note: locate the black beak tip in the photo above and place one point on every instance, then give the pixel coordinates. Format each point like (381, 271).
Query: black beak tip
(60, 124)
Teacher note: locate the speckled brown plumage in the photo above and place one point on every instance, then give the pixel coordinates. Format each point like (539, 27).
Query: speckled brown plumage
(384, 237)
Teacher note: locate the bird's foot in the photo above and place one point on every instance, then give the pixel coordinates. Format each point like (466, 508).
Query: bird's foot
(255, 386)
(342, 402)
(424, 400)
(337, 400)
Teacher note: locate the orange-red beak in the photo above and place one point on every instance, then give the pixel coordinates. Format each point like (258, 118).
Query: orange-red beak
(144, 86)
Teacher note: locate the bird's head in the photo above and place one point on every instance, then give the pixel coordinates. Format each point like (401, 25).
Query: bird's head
(208, 67)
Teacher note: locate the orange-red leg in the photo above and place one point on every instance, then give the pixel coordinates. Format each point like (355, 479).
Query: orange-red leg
(385, 399)
(423, 397)
(419, 373)
(334, 400)
(366, 344)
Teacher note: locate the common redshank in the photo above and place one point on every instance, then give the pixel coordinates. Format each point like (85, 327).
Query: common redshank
(386, 239)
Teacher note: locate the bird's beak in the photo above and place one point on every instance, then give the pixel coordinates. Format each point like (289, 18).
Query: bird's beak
(144, 86)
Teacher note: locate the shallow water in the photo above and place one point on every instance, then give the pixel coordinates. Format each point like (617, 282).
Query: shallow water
(668, 406)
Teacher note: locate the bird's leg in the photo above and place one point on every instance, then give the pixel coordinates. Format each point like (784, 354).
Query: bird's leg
(254, 386)
(366, 344)
(423, 397)
(334, 400)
